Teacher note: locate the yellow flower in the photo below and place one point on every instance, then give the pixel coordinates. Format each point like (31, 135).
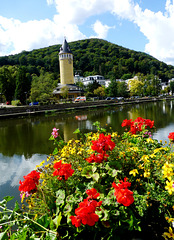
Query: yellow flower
(149, 140)
(167, 165)
(140, 166)
(135, 149)
(48, 158)
(167, 171)
(147, 174)
(114, 134)
(40, 165)
(169, 187)
(145, 158)
(134, 172)
(169, 234)
(152, 155)
(168, 175)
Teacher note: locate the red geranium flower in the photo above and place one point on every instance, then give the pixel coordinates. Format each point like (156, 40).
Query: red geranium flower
(104, 143)
(99, 158)
(85, 213)
(171, 136)
(30, 183)
(122, 193)
(92, 193)
(126, 123)
(62, 170)
(136, 126)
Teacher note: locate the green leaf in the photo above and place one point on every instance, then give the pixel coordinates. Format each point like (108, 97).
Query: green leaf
(8, 198)
(57, 220)
(94, 168)
(87, 172)
(16, 208)
(3, 203)
(44, 221)
(67, 209)
(50, 236)
(3, 236)
(55, 151)
(77, 131)
(51, 137)
(96, 176)
(60, 194)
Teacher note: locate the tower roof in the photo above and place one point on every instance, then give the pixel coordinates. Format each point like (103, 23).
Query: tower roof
(65, 48)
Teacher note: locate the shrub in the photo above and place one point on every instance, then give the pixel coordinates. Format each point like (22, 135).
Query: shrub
(101, 186)
(16, 102)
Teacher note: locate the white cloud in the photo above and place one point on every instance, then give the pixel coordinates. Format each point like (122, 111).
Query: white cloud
(157, 27)
(49, 2)
(124, 9)
(100, 29)
(77, 11)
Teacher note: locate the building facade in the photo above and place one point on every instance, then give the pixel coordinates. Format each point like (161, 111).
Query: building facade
(66, 64)
(66, 74)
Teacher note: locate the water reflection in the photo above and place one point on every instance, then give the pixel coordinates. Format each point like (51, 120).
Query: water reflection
(24, 141)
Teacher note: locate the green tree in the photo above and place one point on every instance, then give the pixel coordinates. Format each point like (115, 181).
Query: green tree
(126, 76)
(64, 92)
(23, 85)
(91, 87)
(42, 86)
(122, 90)
(100, 91)
(172, 86)
(135, 87)
(156, 85)
(112, 89)
(7, 82)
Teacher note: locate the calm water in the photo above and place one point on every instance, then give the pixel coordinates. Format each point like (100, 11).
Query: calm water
(24, 141)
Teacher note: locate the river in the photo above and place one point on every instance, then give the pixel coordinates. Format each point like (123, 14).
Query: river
(25, 141)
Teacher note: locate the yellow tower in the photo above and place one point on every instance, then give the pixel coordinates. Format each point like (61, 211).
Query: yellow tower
(66, 64)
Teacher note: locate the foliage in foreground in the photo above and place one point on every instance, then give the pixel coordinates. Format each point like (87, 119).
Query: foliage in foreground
(102, 186)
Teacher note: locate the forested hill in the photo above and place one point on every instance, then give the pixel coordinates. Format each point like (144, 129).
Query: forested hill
(92, 56)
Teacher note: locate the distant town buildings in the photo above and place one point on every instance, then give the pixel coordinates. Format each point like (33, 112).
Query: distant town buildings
(68, 81)
(91, 79)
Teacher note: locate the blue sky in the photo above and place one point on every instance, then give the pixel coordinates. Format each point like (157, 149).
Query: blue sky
(141, 25)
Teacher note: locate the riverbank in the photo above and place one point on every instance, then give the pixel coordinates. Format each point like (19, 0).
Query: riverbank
(18, 111)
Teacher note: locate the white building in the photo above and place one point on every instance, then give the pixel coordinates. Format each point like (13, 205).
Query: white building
(90, 79)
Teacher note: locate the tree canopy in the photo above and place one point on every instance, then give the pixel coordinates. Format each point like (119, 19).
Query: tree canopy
(91, 57)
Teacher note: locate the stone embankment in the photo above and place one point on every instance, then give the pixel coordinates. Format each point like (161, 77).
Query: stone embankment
(10, 111)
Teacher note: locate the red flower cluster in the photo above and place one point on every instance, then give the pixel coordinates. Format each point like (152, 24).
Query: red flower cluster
(97, 158)
(103, 144)
(62, 170)
(30, 183)
(171, 136)
(122, 193)
(136, 126)
(85, 213)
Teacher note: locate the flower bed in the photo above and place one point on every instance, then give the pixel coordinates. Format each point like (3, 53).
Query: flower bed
(102, 186)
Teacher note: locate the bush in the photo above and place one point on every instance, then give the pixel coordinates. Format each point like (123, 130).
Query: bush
(16, 103)
(102, 186)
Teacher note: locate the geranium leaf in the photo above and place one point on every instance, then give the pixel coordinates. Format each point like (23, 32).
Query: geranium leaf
(3, 236)
(8, 198)
(77, 130)
(60, 194)
(96, 176)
